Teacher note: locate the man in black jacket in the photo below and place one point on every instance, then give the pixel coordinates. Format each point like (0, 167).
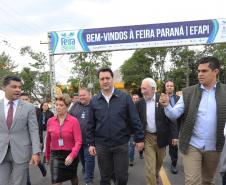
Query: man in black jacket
(112, 115)
(158, 130)
(173, 149)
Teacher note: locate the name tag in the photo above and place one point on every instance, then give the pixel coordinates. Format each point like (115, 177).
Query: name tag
(61, 142)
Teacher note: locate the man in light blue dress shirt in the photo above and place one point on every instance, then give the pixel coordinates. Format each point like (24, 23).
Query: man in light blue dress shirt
(202, 108)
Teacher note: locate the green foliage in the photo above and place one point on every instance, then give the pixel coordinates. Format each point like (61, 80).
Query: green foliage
(36, 78)
(7, 66)
(219, 51)
(144, 63)
(183, 71)
(85, 68)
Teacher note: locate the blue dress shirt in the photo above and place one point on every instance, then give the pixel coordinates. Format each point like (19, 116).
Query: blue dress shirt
(204, 131)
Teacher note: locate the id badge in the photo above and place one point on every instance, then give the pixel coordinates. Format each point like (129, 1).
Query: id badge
(61, 142)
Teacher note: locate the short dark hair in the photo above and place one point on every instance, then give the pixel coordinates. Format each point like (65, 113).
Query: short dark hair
(8, 79)
(24, 94)
(214, 63)
(105, 69)
(168, 81)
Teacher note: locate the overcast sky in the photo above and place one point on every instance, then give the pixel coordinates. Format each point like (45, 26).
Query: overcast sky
(26, 22)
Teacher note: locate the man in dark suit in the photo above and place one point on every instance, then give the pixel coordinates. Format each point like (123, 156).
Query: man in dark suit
(158, 130)
(173, 149)
(19, 140)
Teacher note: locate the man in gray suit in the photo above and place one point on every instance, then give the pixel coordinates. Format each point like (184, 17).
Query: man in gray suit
(19, 139)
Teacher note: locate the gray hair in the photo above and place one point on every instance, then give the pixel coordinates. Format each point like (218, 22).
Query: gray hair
(151, 82)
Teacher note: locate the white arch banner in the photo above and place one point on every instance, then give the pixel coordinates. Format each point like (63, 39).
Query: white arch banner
(139, 36)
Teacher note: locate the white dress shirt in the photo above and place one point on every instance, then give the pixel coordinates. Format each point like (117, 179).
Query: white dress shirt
(150, 112)
(6, 106)
(107, 98)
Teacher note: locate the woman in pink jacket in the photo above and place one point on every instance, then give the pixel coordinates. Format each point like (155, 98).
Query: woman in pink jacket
(63, 142)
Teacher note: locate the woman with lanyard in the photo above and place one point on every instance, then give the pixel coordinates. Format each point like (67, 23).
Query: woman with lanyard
(63, 142)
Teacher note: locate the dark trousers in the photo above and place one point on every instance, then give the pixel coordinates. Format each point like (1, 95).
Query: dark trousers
(82, 158)
(113, 161)
(224, 178)
(173, 152)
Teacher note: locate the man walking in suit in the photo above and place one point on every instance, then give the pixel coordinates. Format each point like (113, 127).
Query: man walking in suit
(173, 149)
(159, 131)
(19, 139)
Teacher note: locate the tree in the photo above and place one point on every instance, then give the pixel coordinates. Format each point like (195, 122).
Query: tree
(7, 66)
(85, 69)
(37, 82)
(219, 51)
(183, 70)
(148, 62)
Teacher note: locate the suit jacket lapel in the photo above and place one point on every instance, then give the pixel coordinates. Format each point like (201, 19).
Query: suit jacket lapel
(18, 112)
(2, 115)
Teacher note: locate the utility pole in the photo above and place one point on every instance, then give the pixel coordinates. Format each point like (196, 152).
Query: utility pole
(51, 73)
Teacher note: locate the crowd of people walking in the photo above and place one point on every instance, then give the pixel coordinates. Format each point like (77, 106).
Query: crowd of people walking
(111, 126)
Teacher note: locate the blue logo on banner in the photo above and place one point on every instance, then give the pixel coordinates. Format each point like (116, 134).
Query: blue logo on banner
(82, 41)
(214, 32)
(67, 42)
(54, 41)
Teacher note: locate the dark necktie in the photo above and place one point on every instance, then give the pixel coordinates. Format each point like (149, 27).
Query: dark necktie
(10, 115)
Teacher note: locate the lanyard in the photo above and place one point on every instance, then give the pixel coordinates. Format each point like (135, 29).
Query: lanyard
(61, 125)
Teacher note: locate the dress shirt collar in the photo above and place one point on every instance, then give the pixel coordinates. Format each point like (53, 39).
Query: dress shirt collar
(56, 117)
(110, 94)
(151, 99)
(203, 88)
(6, 102)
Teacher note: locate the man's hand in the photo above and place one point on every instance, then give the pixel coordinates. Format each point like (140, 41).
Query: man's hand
(174, 142)
(35, 159)
(68, 160)
(92, 150)
(164, 99)
(140, 146)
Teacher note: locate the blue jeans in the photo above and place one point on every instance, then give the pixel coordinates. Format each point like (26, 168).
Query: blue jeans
(131, 148)
(88, 163)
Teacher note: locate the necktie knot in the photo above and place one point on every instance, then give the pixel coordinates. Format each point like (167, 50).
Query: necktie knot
(11, 103)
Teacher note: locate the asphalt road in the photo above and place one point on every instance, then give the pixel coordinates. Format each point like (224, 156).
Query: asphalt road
(136, 174)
